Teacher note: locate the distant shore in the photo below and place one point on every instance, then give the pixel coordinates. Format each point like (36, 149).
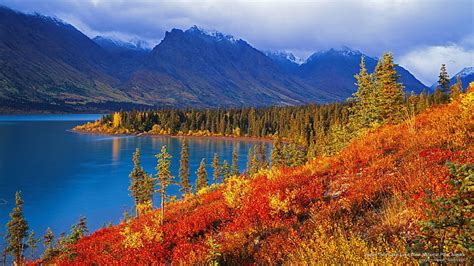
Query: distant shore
(145, 134)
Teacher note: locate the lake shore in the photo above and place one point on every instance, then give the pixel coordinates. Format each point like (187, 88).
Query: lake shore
(144, 134)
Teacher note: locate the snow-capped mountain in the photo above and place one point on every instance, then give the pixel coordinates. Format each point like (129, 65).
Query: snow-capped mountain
(110, 43)
(214, 34)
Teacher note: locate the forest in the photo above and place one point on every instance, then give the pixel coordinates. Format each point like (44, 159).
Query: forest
(384, 178)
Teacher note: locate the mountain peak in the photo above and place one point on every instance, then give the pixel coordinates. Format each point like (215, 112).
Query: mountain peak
(341, 51)
(465, 72)
(284, 55)
(217, 35)
(113, 43)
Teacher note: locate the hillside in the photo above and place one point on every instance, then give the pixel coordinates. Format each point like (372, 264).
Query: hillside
(354, 207)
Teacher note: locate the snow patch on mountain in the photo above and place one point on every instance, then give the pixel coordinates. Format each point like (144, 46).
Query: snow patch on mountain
(219, 36)
(283, 55)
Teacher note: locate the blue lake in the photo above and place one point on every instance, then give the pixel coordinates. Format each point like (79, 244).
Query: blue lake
(63, 174)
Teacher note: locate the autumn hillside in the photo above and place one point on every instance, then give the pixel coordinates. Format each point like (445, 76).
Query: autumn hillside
(373, 202)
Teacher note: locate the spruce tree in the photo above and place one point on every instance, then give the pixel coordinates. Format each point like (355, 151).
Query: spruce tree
(164, 177)
(201, 181)
(443, 81)
(250, 167)
(263, 156)
(296, 154)
(277, 157)
(217, 169)
(226, 173)
(391, 91)
(255, 165)
(456, 89)
(364, 110)
(235, 166)
(17, 231)
(32, 243)
(48, 241)
(141, 184)
(184, 169)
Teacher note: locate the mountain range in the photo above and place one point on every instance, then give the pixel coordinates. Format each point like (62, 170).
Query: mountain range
(48, 65)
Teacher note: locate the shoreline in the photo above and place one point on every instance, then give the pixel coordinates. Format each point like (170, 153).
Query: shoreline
(144, 134)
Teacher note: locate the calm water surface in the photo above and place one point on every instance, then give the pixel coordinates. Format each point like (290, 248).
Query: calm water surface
(63, 174)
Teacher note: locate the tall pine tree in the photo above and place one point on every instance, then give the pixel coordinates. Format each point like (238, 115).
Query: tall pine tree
(391, 91)
(164, 177)
(17, 231)
(443, 81)
(277, 157)
(184, 170)
(216, 169)
(201, 181)
(235, 166)
(226, 173)
(141, 184)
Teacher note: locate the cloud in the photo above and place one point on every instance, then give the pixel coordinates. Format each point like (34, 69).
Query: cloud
(425, 62)
(371, 26)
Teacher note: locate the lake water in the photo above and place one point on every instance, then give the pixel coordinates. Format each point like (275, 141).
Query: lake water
(63, 174)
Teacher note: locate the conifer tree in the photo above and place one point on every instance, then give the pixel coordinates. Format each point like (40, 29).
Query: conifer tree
(235, 167)
(296, 155)
(17, 231)
(255, 166)
(32, 243)
(217, 169)
(443, 81)
(226, 173)
(391, 91)
(184, 169)
(250, 166)
(276, 157)
(201, 181)
(164, 177)
(456, 89)
(141, 184)
(48, 241)
(364, 111)
(263, 156)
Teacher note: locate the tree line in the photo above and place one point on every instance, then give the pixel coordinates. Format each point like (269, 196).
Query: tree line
(299, 132)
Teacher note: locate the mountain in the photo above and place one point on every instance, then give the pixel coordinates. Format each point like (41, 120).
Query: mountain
(334, 70)
(466, 75)
(48, 65)
(200, 68)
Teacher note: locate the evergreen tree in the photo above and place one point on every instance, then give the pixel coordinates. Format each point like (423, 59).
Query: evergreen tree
(443, 81)
(17, 231)
(184, 169)
(297, 155)
(217, 169)
(164, 177)
(32, 243)
(226, 173)
(262, 150)
(456, 89)
(141, 184)
(364, 109)
(201, 181)
(276, 157)
(250, 167)
(391, 91)
(48, 241)
(255, 166)
(235, 166)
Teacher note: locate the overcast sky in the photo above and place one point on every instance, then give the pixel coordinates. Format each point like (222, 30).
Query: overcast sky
(422, 34)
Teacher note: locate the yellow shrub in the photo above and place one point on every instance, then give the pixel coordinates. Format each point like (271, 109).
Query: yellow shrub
(236, 190)
(131, 239)
(277, 205)
(341, 249)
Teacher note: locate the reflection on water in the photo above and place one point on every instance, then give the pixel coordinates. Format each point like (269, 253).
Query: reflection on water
(63, 174)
